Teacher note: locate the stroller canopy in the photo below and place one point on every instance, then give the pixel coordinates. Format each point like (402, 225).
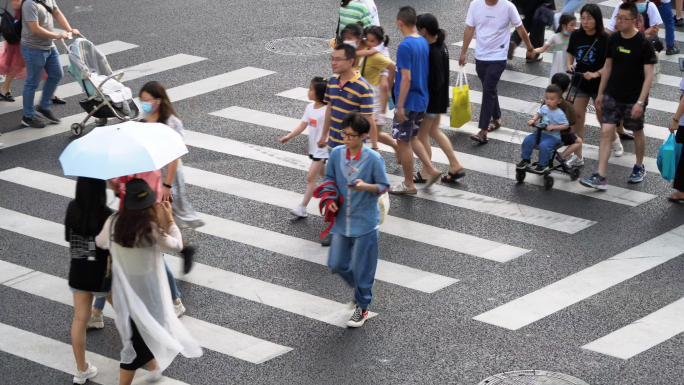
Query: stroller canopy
(88, 58)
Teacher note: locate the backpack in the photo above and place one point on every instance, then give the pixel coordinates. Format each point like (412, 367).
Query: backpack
(11, 28)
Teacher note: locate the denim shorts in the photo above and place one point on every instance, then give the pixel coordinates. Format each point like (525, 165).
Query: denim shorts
(614, 112)
(406, 130)
(430, 115)
(97, 294)
(581, 94)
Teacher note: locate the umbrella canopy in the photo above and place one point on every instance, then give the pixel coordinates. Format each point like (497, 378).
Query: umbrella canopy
(122, 149)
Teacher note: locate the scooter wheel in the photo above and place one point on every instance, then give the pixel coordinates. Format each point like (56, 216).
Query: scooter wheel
(548, 182)
(520, 175)
(77, 129)
(574, 174)
(101, 122)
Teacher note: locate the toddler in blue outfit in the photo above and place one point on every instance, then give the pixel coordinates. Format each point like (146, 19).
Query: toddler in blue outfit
(554, 119)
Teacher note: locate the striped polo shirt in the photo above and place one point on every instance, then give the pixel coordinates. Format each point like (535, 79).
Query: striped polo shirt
(353, 12)
(355, 96)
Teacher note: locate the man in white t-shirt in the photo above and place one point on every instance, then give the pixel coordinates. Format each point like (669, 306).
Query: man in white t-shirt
(492, 20)
(370, 4)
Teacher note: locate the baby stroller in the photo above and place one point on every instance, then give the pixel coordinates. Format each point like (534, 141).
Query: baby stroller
(106, 97)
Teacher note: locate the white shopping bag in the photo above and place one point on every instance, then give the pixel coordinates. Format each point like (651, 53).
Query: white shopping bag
(383, 205)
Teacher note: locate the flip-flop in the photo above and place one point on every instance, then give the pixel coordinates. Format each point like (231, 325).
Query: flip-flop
(626, 136)
(452, 178)
(401, 189)
(676, 200)
(432, 179)
(493, 126)
(417, 178)
(479, 137)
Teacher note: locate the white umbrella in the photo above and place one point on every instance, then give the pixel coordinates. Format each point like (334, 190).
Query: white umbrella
(122, 149)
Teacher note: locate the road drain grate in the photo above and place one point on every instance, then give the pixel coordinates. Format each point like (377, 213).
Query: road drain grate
(532, 377)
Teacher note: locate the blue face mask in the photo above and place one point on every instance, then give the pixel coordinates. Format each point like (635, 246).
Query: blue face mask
(147, 107)
(566, 33)
(641, 8)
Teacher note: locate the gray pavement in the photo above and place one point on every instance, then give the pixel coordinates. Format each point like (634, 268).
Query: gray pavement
(417, 337)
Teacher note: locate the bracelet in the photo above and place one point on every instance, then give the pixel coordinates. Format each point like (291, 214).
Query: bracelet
(166, 185)
(676, 120)
(374, 148)
(640, 102)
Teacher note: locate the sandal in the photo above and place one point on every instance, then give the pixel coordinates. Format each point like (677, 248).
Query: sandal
(433, 179)
(626, 136)
(7, 97)
(417, 178)
(452, 178)
(401, 189)
(480, 137)
(673, 198)
(493, 126)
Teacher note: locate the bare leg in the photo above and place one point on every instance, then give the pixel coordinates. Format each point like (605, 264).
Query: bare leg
(6, 85)
(406, 156)
(443, 142)
(419, 150)
(607, 132)
(581, 114)
(678, 8)
(639, 146)
(314, 170)
(424, 138)
(82, 304)
(572, 148)
(387, 139)
(126, 376)
(384, 93)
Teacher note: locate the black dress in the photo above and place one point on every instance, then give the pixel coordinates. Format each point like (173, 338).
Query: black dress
(679, 175)
(438, 81)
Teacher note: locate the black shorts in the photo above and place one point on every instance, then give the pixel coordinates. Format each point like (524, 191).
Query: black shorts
(143, 355)
(317, 159)
(614, 112)
(568, 139)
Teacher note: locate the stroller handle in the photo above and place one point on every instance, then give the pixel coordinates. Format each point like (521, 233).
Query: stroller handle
(66, 48)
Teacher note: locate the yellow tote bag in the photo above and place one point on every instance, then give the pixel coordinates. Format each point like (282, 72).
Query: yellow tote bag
(460, 106)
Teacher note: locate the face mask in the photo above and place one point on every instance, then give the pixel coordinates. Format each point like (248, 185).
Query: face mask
(566, 33)
(147, 107)
(352, 43)
(641, 8)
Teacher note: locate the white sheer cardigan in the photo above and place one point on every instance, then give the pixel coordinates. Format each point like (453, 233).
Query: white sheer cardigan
(140, 291)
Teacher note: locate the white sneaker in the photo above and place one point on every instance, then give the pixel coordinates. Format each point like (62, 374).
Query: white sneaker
(299, 211)
(617, 148)
(154, 376)
(96, 322)
(82, 377)
(179, 309)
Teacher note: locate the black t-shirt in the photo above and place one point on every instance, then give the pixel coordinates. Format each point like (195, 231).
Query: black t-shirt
(591, 61)
(88, 268)
(627, 73)
(438, 80)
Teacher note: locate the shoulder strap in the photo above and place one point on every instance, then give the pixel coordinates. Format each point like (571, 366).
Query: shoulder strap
(48, 9)
(363, 67)
(337, 32)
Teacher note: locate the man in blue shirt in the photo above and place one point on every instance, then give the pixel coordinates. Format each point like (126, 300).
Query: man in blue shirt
(411, 91)
(358, 175)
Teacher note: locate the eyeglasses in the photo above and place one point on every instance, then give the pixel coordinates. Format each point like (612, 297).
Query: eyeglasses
(339, 59)
(586, 18)
(622, 19)
(346, 135)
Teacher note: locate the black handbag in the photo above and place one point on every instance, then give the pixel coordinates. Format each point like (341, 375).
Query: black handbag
(9, 27)
(544, 15)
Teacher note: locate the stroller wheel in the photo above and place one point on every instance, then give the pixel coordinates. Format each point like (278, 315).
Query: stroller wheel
(574, 174)
(77, 129)
(101, 122)
(520, 175)
(548, 182)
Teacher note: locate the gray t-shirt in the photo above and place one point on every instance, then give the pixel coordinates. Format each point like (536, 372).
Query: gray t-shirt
(32, 11)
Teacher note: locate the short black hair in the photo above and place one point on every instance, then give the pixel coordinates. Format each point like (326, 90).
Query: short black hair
(408, 16)
(631, 7)
(554, 89)
(561, 80)
(356, 122)
(349, 51)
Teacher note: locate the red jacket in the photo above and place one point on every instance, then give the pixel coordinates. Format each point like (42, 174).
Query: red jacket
(327, 192)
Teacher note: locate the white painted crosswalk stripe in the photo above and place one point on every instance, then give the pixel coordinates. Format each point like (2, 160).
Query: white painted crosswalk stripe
(59, 356)
(210, 336)
(586, 283)
(643, 334)
(183, 92)
(135, 72)
(106, 48)
(507, 170)
(279, 297)
(446, 195)
(543, 82)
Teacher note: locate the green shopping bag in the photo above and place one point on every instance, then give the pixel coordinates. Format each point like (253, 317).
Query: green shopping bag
(460, 106)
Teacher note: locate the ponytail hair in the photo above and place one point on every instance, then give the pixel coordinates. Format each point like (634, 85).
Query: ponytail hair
(565, 19)
(428, 22)
(344, 3)
(379, 34)
(319, 85)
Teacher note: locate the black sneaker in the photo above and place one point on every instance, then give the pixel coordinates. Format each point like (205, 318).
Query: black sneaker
(541, 168)
(679, 22)
(358, 318)
(326, 240)
(57, 100)
(34, 122)
(535, 59)
(188, 252)
(47, 115)
(523, 164)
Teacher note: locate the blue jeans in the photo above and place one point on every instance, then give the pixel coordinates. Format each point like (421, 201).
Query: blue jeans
(355, 260)
(175, 294)
(570, 6)
(546, 146)
(668, 20)
(36, 61)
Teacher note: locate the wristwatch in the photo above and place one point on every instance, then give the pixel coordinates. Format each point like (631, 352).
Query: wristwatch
(166, 185)
(676, 120)
(640, 102)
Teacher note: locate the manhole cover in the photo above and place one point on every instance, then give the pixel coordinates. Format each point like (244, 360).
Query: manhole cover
(4, 245)
(532, 377)
(299, 46)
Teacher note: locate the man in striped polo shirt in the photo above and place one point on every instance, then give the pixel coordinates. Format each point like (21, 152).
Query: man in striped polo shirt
(352, 11)
(347, 92)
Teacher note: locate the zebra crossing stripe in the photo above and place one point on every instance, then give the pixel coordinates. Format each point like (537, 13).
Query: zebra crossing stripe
(643, 334)
(115, 46)
(135, 72)
(60, 356)
(586, 283)
(507, 170)
(185, 91)
(543, 82)
(279, 297)
(210, 336)
(437, 193)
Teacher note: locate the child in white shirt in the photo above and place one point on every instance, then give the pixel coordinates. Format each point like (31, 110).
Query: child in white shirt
(314, 120)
